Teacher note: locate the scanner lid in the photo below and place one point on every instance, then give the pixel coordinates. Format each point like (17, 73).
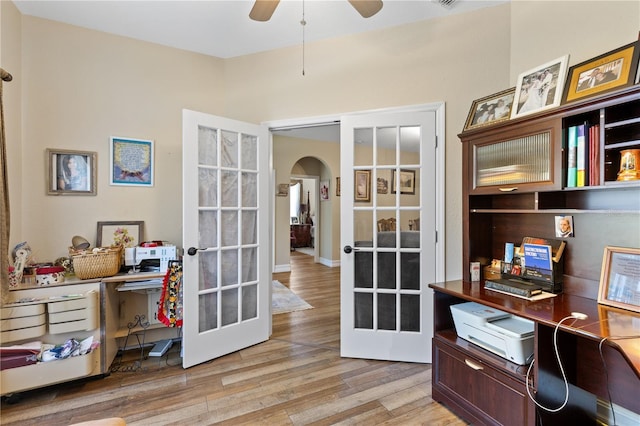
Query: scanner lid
(513, 326)
(480, 311)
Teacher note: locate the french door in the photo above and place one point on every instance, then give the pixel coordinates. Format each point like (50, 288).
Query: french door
(227, 276)
(388, 228)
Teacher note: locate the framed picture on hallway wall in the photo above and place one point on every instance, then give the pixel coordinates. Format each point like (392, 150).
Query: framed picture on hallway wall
(71, 172)
(362, 189)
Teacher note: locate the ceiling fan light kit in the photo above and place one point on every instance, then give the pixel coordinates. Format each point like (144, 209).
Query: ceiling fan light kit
(262, 10)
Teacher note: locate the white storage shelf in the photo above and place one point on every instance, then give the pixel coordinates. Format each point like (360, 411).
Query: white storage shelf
(52, 318)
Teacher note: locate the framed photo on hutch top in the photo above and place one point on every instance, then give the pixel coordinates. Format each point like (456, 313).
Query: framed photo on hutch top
(612, 70)
(540, 88)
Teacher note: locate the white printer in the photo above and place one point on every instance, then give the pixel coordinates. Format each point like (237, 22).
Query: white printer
(506, 335)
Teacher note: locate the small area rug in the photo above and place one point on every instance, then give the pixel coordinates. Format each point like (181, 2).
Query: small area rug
(284, 300)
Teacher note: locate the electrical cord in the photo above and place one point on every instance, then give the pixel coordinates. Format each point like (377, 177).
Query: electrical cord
(575, 316)
(606, 372)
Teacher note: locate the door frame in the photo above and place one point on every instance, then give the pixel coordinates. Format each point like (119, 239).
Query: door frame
(439, 109)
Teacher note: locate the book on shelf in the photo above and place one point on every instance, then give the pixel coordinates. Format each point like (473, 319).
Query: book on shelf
(582, 155)
(572, 153)
(513, 286)
(594, 155)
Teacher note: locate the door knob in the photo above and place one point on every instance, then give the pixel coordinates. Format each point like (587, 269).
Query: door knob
(192, 251)
(347, 249)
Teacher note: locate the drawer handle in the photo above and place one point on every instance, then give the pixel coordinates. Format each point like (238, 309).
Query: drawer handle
(473, 365)
(513, 188)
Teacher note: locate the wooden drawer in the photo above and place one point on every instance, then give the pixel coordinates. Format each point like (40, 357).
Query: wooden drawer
(485, 394)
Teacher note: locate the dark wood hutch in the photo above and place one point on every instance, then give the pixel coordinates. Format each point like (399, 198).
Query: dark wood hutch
(484, 388)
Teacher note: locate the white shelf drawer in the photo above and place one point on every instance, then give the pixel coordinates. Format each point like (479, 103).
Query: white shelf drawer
(19, 311)
(23, 333)
(20, 323)
(71, 304)
(48, 373)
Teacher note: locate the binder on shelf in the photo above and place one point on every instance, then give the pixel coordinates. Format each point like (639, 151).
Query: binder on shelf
(581, 155)
(572, 153)
(594, 155)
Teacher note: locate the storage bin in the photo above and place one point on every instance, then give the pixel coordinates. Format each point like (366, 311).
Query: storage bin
(50, 275)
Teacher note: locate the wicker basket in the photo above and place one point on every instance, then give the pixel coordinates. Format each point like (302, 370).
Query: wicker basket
(103, 263)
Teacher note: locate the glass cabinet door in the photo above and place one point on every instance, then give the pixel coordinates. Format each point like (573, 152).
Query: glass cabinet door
(517, 161)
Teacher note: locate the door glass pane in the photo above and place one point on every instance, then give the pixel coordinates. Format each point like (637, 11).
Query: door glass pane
(249, 264)
(363, 152)
(229, 267)
(249, 227)
(207, 187)
(249, 302)
(208, 270)
(229, 306)
(229, 149)
(409, 312)
(207, 146)
(410, 145)
(386, 311)
(229, 228)
(249, 185)
(208, 228)
(410, 271)
(386, 146)
(363, 273)
(249, 152)
(229, 188)
(387, 270)
(208, 308)
(363, 310)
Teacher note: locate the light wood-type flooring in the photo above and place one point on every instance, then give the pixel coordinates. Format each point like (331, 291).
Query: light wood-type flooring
(295, 378)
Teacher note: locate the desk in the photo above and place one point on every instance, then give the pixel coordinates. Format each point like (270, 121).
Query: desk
(578, 343)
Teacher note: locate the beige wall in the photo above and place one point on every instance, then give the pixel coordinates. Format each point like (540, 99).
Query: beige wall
(79, 87)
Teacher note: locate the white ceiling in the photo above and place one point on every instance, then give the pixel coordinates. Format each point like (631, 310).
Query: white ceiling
(223, 28)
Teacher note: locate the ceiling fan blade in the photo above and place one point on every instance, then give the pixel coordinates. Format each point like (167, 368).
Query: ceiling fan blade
(366, 8)
(263, 9)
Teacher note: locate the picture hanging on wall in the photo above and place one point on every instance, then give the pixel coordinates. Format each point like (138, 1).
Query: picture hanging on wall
(131, 162)
(71, 172)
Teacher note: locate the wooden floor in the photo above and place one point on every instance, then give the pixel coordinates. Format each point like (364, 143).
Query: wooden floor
(295, 378)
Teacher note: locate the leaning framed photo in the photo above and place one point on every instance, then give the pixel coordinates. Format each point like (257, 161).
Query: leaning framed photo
(540, 88)
(620, 278)
(126, 234)
(131, 162)
(613, 70)
(71, 172)
(406, 182)
(362, 187)
(490, 109)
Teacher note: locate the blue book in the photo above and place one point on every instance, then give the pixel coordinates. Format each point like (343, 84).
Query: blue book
(538, 256)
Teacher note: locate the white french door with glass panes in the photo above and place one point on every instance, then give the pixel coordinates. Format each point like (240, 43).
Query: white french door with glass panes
(227, 276)
(389, 223)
